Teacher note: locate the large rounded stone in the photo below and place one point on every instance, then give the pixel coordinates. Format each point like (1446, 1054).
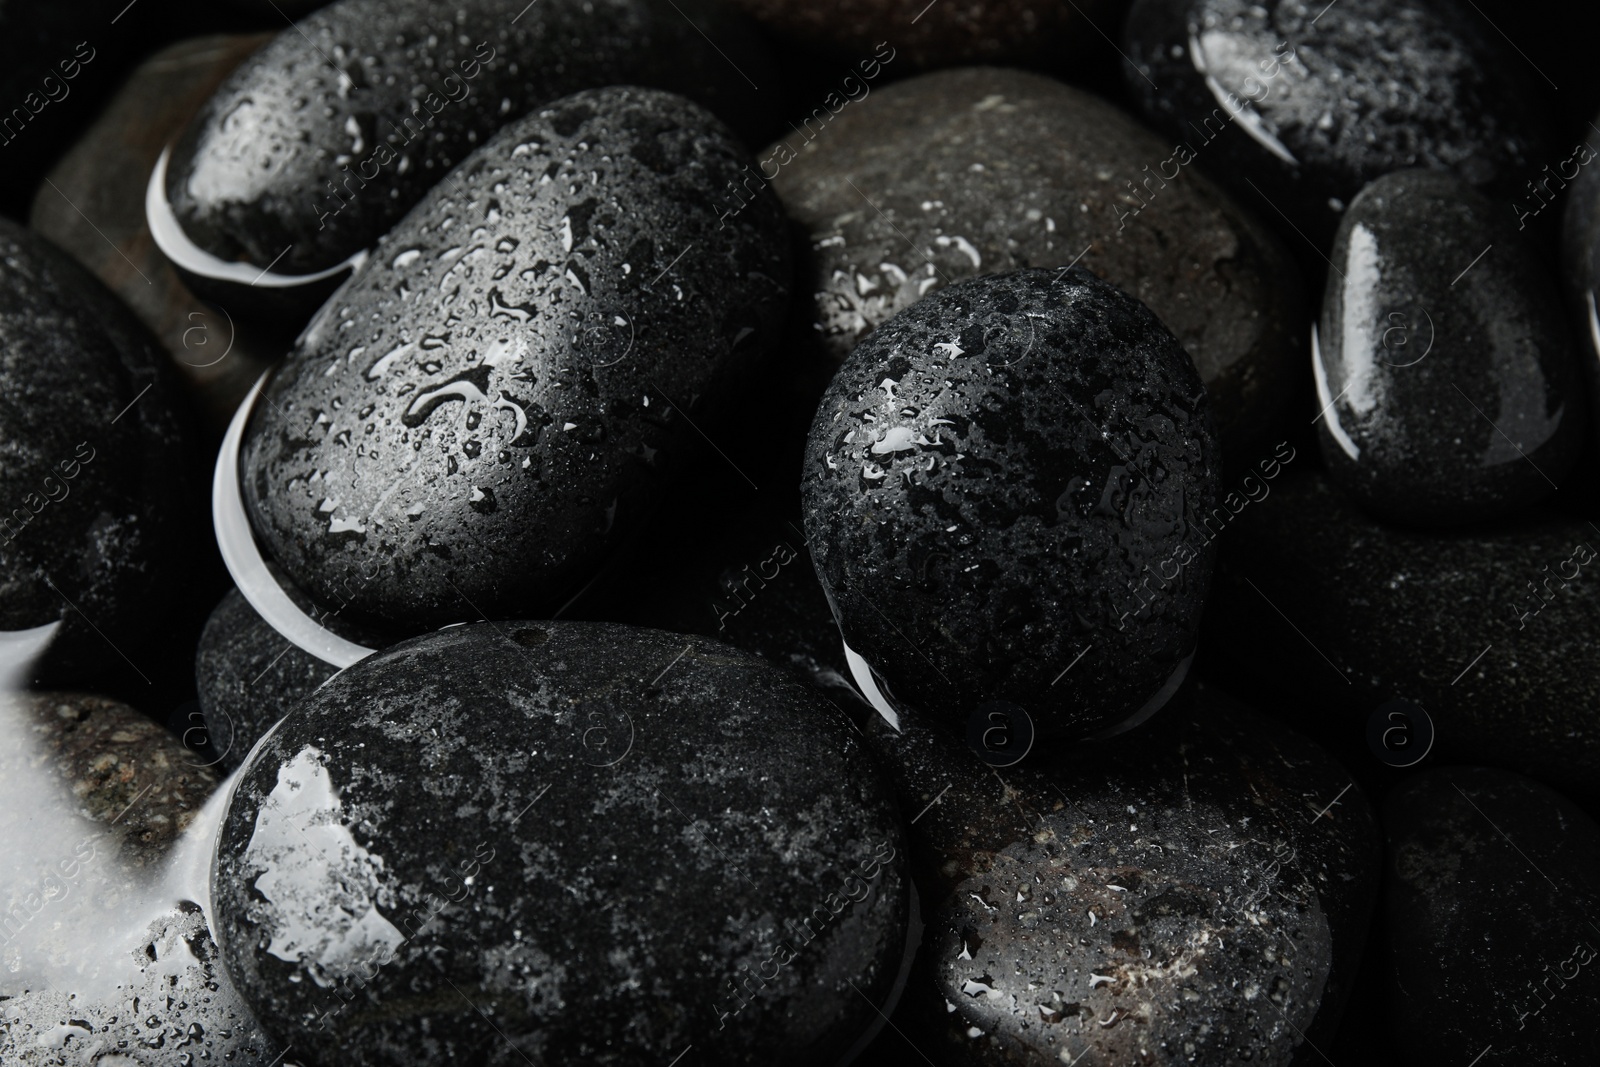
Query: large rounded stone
(995, 479)
(544, 824)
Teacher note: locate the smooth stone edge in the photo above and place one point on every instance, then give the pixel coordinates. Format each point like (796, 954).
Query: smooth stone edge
(243, 559)
(186, 255)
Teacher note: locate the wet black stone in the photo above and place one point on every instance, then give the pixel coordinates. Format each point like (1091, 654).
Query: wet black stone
(626, 820)
(1493, 889)
(97, 503)
(321, 142)
(1197, 889)
(1447, 378)
(1328, 615)
(493, 399)
(1012, 32)
(248, 676)
(983, 170)
(992, 479)
(1330, 97)
(178, 1008)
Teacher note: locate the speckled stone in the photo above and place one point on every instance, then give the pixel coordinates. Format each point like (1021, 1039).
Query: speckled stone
(102, 178)
(248, 676)
(938, 178)
(123, 769)
(1447, 379)
(989, 478)
(492, 401)
(1493, 886)
(1309, 101)
(942, 34)
(628, 822)
(1196, 890)
(327, 137)
(179, 1009)
(96, 501)
(1488, 631)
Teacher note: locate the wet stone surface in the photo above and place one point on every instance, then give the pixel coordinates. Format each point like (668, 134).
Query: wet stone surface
(1196, 890)
(989, 478)
(249, 676)
(96, 504)
(1311, 101)
(1493, 892)
(492, 400)
(321, 142)
(180, 1009)
(545, 824)
(981, 171)
(1446, 373)
(1489, 631)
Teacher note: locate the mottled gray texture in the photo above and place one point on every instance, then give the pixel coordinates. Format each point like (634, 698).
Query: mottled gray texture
(179, 1010)
(329, 106)
(981, 170)
(1452, 378)
(1491, 632)
(248, 676)
(1187, 892)
(936, 35)
(1372, 86)
(490, 403)
(119, 767)
(989, 477)
(95, 494)
(1493, 887)
(643, 816)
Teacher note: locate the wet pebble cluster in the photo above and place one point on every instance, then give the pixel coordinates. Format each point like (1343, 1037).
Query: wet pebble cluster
(641, 532)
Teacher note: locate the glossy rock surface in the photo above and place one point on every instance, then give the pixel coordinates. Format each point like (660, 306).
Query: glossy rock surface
(122, 769)
(1446, 373)
(94, 487)
(1493, 888)
(543, 821)
(327, 137)
(248, 675)
(988, 480)
(1490, 632)
(965, 172)
(470, 423)
(953, 31)
(1309, 101)
(102, 178)
(1196, 890)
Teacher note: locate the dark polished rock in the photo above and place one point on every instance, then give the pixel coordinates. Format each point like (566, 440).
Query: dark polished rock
(1013, 32)
(1580, 270)
(962, 172)
(536, 823)
(1447, 381)
(323, 141)
(97, 506)
(1302, 102)
(248, 675)
(121, 768)
(93, 207)
(492, 401)
(1493, 890)
(1194, 890)
(1322, 611)
(989, 478)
